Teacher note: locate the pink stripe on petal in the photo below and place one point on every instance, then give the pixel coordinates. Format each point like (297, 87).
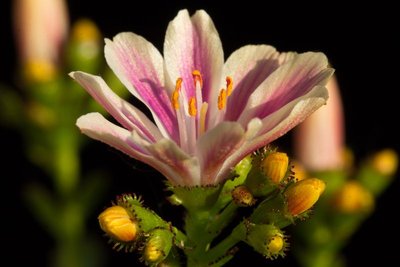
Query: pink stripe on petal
(277, 124)
(249, 66)
(140, 67)
(215, 146)
(292, 80)
(126, 114)
(194, 44)
(97, 127)
(169, 153)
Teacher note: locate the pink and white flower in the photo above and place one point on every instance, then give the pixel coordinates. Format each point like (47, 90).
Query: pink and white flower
(200, 131)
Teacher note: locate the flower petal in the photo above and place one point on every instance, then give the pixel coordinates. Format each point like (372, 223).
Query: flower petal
(97, 127)
(186, 168)
(194, 44)
(292, 80)
(215, 146)
(139, 66)
(126, 114)
(249, 66)
(277, 124)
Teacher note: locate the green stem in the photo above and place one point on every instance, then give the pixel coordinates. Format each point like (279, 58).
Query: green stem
(202, 227)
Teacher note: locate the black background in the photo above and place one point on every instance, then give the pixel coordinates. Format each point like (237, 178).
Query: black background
(360, 43)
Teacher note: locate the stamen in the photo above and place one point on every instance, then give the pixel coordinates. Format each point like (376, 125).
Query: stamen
(175, 100)
(175, 94)
(229, 85)
(202, 122)
(192, 107)
(178, 84)
(222, 99)
(197, 78)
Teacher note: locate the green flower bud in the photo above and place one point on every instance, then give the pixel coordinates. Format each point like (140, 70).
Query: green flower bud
(157, 246)
(242, 196)
(266, 239)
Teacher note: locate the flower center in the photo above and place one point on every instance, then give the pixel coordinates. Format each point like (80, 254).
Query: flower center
(195, 103)
(191, 110)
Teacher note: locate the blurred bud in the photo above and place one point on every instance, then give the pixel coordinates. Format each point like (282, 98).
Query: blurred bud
(158, 246)
(353, 198)
(319, 140)
(275, 166)
(117, 223)
(41, 27)
(242, 196)
(348, 158)
(39, 71)
(299, 171)
(266, 239)
(84, 51)
(302, 195)
(385, 162)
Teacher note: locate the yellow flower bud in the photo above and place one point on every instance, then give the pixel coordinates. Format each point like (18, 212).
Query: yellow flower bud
(302, 195)
(266, 239)
(275, 166)
(347, 158)
(352, 198)
(85, 30)
(118, 224)
(242, 196)
(153, 252)
(385, 162)
(39, 71)
(157, 246)
(299, 171)
(275, 244)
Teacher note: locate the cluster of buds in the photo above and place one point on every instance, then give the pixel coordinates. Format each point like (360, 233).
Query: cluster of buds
(132, 227)
(262, 186)
(351, 189)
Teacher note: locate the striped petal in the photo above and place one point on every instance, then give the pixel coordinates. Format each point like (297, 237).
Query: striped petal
(277, 124)
(249, 66)
(139, 66)
(293, 79)
(194, 44)
(127, 115)
(186, 168)
(215, 147)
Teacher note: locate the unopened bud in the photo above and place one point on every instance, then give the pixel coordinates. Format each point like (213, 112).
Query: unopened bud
(275, 166)
(118, 224)
(157, 246)
(266, 239)
(41, 27)
(385, 162)
(39, 71)
(299, 171)
(242, 196)
(84, 48)
(275, 244)
(352, 198)
(302, 195)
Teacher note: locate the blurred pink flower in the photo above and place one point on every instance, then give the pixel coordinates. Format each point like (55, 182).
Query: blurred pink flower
(200, 131)
(319, 140)
(41, 27)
